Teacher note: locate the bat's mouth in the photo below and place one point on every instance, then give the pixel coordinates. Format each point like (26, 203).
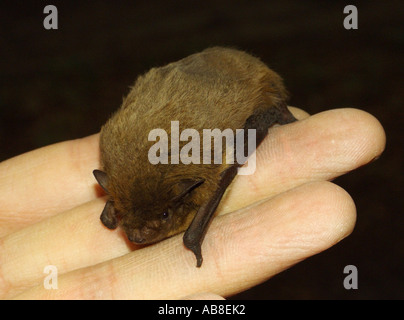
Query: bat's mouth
(144, 235)
(137, 238)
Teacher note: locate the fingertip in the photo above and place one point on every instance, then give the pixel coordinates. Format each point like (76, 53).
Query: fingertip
(340, 211)
(369, 134)
(373, 133)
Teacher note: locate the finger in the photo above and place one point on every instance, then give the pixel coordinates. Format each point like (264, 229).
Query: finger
(56, 178)
(48, 180)
(320, 147)
(45, 181)
(240, 250)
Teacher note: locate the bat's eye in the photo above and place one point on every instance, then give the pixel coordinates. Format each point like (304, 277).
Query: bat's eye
(165, 215)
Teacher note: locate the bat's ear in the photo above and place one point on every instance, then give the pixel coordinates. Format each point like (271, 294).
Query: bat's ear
(185, 186)
(101, 178)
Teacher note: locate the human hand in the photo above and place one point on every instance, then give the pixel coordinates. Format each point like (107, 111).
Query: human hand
(287, 211)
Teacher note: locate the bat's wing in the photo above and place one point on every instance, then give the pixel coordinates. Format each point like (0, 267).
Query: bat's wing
(261, 121)
(195, 233)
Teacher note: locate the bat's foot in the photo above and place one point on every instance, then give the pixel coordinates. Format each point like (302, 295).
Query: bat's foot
(194, 245)
(108, 216)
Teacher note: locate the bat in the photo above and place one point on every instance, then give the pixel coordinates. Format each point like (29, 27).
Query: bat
(218, 88)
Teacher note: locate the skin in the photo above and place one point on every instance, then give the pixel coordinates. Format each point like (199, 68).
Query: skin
(50, 206)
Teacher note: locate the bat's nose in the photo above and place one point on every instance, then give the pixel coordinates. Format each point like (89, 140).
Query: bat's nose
(143, 235)
(137, 237)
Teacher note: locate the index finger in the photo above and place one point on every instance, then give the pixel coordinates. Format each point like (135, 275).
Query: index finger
(52, 179)
(43, 182)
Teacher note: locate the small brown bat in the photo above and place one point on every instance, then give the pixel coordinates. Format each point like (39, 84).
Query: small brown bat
(216, 88)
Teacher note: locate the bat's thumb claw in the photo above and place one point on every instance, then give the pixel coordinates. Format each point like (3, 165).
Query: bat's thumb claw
(195, 247)
(199, 260)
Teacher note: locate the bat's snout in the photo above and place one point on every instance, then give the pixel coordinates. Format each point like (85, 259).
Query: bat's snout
(143, 235)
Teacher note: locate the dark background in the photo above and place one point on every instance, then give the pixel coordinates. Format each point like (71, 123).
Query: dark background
(63, 84)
